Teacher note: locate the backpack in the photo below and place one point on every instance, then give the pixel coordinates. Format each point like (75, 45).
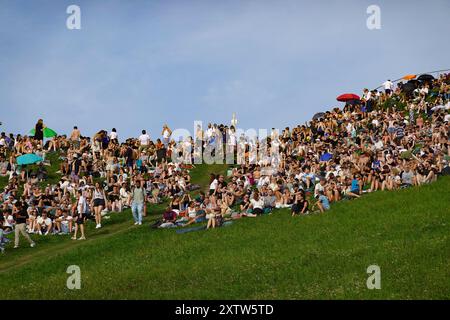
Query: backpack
(156, 224)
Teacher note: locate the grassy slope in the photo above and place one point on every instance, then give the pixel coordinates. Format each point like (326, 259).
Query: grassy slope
(406, 233)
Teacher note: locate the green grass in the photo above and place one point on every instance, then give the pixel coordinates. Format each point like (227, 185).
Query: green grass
(201, 173)
(276, 256)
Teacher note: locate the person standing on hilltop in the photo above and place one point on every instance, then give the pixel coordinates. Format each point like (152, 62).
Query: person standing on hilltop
(166, 133)
(39, 130)
(113, 136)
(75, 137)
(388, 87)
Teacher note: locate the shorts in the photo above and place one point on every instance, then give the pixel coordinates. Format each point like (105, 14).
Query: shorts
(99, 202)
(210, 216)
(82, 219)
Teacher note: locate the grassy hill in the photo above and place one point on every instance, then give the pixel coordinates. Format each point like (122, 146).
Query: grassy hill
(276, 256)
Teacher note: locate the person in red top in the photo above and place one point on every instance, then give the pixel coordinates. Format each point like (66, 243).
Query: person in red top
(169, 218)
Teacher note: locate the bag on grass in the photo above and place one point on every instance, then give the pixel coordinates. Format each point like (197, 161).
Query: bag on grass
(156, 224)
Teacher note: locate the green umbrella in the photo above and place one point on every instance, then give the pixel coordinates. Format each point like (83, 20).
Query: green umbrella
(48, 133)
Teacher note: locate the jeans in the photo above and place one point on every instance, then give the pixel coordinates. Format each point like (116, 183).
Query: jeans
(65, 228)
(167, 225)
(138, 210)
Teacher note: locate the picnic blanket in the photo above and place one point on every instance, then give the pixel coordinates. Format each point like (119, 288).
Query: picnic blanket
(185, 230)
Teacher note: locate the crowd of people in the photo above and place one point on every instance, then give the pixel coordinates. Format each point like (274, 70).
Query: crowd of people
(387, 140)
(98, 176)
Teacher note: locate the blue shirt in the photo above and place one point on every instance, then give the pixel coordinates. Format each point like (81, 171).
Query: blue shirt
(355, 185)
(325, 202)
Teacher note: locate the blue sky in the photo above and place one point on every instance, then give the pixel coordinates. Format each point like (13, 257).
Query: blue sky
(139, 64)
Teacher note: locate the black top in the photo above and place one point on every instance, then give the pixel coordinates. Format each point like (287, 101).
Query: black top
(21, 216)
(39, 131)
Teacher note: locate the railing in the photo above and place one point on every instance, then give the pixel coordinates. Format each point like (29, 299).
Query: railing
(430, 72)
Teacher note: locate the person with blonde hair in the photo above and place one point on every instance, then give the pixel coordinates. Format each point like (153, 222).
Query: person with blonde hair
(166, 133)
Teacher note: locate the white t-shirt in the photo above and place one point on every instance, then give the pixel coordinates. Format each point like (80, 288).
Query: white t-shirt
(257, 204)
(447, 118)
(379, 145)
(232, 138)
(318, 188)
(144, 139)
(47, 221)
(166, 134)
(123, 193)
(424, 90)
(209, 132)
(388, 85)
(113, 135)
(191, 212)
(9, 221)
(82, 205)
(213, 185)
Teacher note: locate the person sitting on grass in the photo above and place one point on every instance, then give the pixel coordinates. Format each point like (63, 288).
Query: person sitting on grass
(169, 218)
(322, 203)
(244, 207)
(44, 224)
(2, 248)
(224, 208)
(319, 186)
(300, 205)
(211, 209)
(355, 187)
(114, 203)
(2, 239)
(195, 214)
(408, 176)
(257, 204)
(269, 201)
(64, 223)
(8, 221)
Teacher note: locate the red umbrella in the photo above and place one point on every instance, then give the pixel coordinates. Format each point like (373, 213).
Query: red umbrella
(347, 97)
